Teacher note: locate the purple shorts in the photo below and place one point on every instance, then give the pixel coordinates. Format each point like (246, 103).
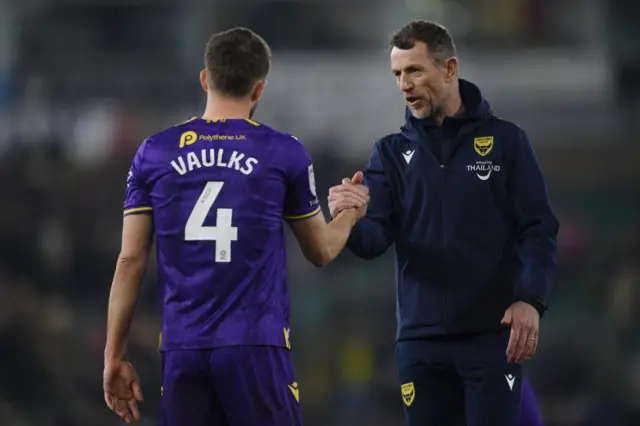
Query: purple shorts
(529, 412)
(229, 386)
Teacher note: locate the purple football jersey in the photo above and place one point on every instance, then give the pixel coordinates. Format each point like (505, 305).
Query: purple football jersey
(218, 192)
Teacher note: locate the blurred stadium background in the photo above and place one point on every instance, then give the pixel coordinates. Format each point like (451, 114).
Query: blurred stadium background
(83, 82)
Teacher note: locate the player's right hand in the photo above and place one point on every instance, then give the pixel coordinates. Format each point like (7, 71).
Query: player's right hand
(122, 390)
(351, 194)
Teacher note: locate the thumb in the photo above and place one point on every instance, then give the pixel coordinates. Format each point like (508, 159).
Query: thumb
(506, 320)
(357, 178)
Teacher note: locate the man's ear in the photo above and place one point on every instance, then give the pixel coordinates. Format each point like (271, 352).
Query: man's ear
(257, 91)
(204, 81)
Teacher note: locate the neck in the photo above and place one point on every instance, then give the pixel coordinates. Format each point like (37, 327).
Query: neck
(224, 108)
(452, 105)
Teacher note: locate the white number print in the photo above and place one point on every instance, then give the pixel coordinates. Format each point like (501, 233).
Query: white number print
(223, 233)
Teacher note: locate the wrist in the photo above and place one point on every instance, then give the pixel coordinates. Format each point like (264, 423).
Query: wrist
(350, 215)
(113, 355)
(537, 302)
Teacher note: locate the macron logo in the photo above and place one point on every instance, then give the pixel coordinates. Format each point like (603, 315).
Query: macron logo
(511, 379)
(408, 154)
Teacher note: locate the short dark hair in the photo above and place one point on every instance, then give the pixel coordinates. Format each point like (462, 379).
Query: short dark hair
(435, 36)
(236, 59)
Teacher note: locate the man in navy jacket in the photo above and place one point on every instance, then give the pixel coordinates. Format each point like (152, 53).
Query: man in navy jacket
(460, 193)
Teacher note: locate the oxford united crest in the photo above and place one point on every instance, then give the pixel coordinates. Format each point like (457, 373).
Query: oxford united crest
(483, 145)
(408, 393)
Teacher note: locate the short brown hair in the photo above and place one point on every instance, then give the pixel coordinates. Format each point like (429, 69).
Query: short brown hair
(236, 59)
(435, 36)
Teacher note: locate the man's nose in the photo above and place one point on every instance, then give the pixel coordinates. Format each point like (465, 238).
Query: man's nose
(404, 84)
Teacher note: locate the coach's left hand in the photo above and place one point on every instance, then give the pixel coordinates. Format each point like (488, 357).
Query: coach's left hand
(525, 322)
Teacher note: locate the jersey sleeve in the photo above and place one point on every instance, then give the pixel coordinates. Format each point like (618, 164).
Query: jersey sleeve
(301, 199)
(137, 199)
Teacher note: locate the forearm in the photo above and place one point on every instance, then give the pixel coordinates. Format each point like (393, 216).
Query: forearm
(537, 224)
(539, 257)
(122, 302)
(337, 233)
(368, 239)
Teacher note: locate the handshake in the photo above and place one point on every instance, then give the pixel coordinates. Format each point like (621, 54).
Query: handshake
(350, 195)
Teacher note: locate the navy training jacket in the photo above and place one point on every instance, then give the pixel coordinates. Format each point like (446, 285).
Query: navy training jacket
(466, 206)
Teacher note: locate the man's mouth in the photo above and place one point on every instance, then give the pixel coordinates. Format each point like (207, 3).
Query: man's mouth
(412, 101)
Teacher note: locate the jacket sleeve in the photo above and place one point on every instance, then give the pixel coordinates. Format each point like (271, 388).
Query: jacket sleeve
(371, 236)
(537, 225)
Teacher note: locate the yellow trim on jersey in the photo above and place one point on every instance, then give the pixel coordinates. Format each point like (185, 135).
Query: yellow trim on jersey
(304, 216)
(187, 121)
(138, 210)
(252, 122)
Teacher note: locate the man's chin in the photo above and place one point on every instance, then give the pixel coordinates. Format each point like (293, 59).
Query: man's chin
(419, 113)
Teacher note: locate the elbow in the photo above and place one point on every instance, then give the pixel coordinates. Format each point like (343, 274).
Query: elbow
(369, 240)
(320, 258)
(368, 251)
(368, 254)
(319, 263)
(134, 261)
(547, 226)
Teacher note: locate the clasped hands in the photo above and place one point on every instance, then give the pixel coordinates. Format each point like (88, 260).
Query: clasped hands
(351, 194)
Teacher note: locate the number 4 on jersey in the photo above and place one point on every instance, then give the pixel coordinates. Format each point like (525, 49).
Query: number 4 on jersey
(222, 234)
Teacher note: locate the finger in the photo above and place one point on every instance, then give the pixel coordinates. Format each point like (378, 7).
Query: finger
(122, 410)
(137, 391)
(349, 187)
(133, 407)
(518, 356)
(513, 342)
(108, 398)
(351, 192)
(334, 209)
(349, 198)
(535, 348)
(532, 344)
(506, 319)
(357, 178)
(349, 204)
(360, 192)
(343, 209)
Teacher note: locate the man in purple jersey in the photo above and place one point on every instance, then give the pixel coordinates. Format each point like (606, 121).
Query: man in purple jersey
(215, 191)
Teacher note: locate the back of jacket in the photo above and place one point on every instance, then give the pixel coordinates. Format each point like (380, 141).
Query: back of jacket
(467, 208)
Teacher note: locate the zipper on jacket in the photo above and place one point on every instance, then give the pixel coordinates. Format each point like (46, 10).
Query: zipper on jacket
(442, 169)
(443, 266)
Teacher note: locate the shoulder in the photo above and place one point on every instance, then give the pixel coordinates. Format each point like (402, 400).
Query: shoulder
(285, 138)
(173, 133)
(509, 127)
(507, 136)
(284, 142)
(291, 154)
(180, 132)
(505, 129)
